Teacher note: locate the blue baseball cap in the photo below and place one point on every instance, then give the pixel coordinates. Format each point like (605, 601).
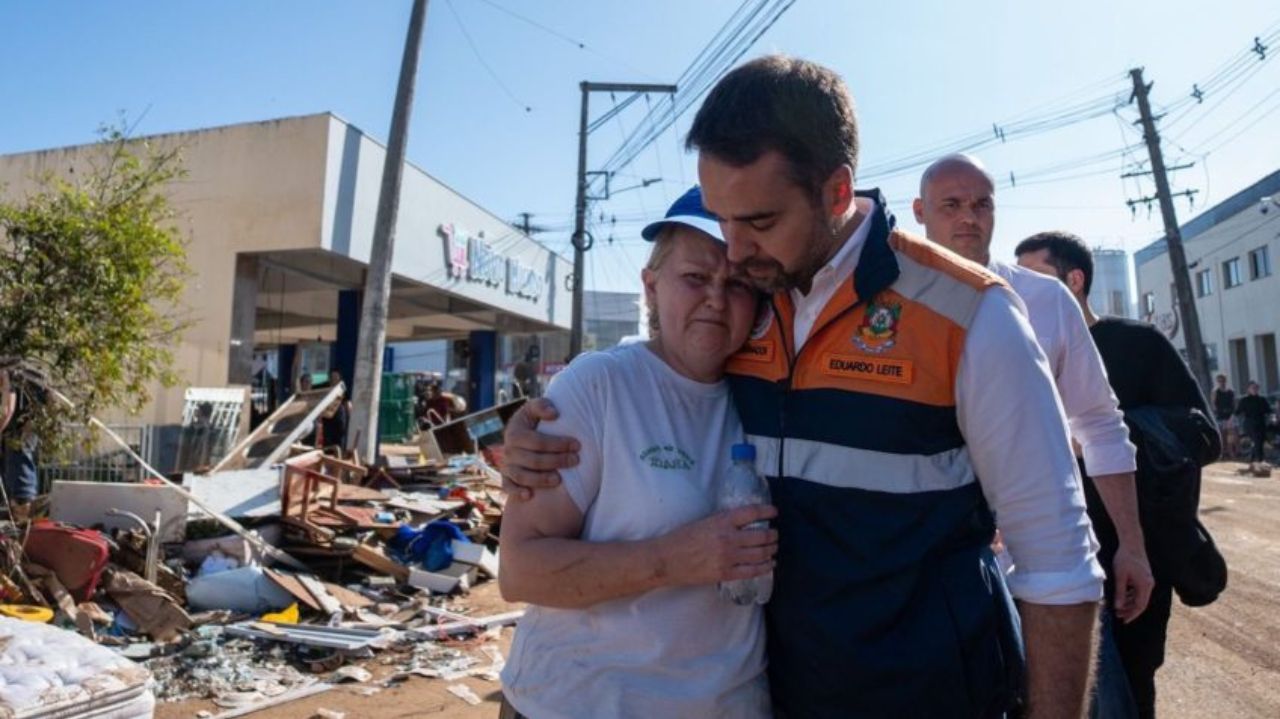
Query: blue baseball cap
(687, 210)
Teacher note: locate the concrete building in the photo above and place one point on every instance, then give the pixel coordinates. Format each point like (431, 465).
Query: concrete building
(279, 217)
(609, 317)
(1231, 248)
(1111, 293)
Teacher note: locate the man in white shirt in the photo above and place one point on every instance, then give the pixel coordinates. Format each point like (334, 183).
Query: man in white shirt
(957, 208)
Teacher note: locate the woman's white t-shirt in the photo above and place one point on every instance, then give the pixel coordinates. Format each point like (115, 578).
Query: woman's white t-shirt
(654, 445)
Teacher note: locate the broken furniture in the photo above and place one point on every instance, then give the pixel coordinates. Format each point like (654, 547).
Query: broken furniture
(291, 421)
(152, 555)
(311, 489)
(476, 431)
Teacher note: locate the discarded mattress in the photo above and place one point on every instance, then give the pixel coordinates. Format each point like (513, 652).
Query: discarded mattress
(51, 673)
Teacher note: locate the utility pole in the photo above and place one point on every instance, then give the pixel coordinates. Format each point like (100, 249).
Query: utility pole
(367, 382)
(581, 240)
(525, 223)
(1173, 237)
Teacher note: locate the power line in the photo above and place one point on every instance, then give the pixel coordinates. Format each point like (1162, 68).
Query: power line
(483, 63)
(1000, 133)
(529, 21)
(1240, 117)
(749, 22)
(1224, 83)
(562, 36)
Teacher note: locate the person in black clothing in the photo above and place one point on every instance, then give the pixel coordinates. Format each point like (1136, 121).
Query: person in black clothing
(1254, 408)
(1224, 406)
(1144, 369)
(333, 423)
(19, 444)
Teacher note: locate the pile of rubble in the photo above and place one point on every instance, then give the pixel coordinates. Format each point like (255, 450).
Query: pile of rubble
(280, 571)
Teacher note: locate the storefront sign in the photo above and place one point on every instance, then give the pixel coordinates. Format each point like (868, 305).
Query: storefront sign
(484, 265)
(523, 281)
(455, 247)
(472, 259)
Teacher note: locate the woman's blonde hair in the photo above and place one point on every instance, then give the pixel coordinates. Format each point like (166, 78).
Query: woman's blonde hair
(662, 246)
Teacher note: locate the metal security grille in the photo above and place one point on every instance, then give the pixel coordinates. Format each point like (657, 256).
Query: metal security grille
(212, 420)
(93, 457)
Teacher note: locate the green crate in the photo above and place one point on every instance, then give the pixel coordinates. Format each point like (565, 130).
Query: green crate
(396, 387)
(396, 421)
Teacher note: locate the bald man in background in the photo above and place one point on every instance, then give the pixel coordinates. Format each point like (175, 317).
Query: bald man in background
(957, 208)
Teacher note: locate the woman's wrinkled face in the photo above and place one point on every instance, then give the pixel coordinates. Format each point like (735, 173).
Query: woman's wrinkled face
(705, 308)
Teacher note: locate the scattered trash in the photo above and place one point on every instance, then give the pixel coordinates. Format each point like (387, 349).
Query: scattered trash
(289, 615)
(463, 692)
(352, 673)
(27, 613)
(217, 562)
(151, 610)
(248, 584)
(76, 556)
(245, 589)
(316, 636)
(323, 713)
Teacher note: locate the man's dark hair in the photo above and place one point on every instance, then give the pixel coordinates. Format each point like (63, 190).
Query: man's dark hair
(1066, 252)
(798, 108)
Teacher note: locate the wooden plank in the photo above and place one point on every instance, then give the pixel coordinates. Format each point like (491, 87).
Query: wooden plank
(377, 560)
(349, 599)
(327, 603)
(302, 410)
(290, 584)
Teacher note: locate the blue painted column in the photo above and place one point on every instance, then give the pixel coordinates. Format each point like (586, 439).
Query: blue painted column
(284, 383)
(343, 355)
(482, 369)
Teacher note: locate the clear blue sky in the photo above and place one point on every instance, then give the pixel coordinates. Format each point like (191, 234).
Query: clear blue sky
(922, 73)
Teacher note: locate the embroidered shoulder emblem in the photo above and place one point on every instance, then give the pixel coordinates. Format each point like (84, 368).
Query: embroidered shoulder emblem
(879, 328)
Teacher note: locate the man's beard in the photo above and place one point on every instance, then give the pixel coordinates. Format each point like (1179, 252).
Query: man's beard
(773, 277)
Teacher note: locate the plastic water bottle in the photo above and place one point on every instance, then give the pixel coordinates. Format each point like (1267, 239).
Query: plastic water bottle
(742, 487)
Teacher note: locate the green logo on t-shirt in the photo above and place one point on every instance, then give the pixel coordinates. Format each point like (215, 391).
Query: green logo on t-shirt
(666, 456)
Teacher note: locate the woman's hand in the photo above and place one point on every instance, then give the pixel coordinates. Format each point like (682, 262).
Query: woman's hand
(720, 547)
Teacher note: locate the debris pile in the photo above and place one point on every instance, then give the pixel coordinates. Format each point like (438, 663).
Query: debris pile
(279, 571)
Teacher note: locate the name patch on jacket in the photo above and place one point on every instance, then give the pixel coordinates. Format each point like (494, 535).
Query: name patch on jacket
(873, 369)
(758, 351)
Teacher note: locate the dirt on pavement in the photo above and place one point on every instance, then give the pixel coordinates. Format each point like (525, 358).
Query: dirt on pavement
(1223, 660)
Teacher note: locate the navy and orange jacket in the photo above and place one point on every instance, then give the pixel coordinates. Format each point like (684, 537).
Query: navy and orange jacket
(887, 599)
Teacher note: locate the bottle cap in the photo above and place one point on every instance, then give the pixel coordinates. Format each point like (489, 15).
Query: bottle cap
(743, 452)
